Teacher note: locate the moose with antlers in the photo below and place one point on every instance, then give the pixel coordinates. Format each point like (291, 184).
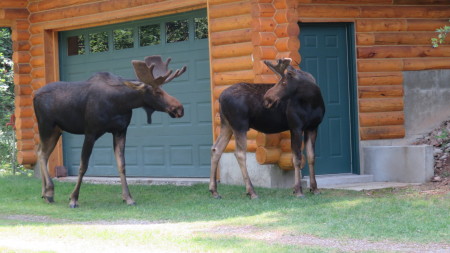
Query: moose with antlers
(99, 105)
(295, 103)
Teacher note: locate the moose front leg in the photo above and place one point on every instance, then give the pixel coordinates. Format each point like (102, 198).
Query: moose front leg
(241, 156)
(216, 152)
(310, 141)
(119, 152)
(296, 146)
(88, 144)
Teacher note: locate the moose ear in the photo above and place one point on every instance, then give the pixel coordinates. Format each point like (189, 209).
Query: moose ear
(149, 112)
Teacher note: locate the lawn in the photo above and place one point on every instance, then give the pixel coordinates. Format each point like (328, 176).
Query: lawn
(186, 218)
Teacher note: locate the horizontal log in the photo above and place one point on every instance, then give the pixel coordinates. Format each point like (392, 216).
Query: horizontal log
(23, 100)
(21, 45)
(380, 91)
(380, 78)
(387, 11)
(285, 162)
(36, 39)
(416, 2)
(288, 44)
(27, 144)
(20, 35)
(398, 38)
(264, 53)
(294, 55)
(412, 64)
(284, 4)
(218, 90)
(230, 9)
(232, 77)
(263, 10)
(37, 50)
(232, 64)
(36, 6)
(232, 50)
(38, 72)
(264, 24)
(37, 61)
(22, 68)
(286, 16)
(22, 79)
(267, 155)
(13, 3)
(230, 23)
(381, 132)
(37, 83)
(22, 134)
(28, 157)
(21, 57)
(263, 38)
(14, 13)
(346, 1)
(231, 37)
(267, 140)
(380, 105)
(402, 51)
(261, 68)
(285, 135)
(425, 24)
(285, 145)
(23, 123)
(23, 89)
(397, 24)
(287, 30)
(368, 119)
(379, 65)
(251, 134)
(265, 78)
(325, 11)
(24, 112)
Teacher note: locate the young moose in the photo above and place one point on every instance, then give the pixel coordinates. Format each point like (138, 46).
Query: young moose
(294, 103)
(101, 104)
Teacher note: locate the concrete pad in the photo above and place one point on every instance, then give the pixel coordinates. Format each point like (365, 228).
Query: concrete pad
(137, 180)
(368, 186)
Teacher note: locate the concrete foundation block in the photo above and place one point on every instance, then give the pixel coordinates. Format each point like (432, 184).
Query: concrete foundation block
(407, 164)
(269, 176)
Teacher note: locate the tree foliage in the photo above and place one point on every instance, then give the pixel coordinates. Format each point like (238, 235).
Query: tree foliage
(442, 35)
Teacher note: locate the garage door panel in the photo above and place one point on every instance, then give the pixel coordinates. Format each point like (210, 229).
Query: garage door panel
(168, 147)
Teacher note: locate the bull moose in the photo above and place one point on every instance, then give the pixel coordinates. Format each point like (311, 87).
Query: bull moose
(102, 104)
(295, 103)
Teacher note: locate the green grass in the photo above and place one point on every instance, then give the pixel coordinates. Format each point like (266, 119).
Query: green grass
(404, 216)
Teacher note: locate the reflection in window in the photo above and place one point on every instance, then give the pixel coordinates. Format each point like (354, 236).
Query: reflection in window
(123, 38)
(149, 35)
(177, 31)
(98, 42)
(75, 45)
(201, 28)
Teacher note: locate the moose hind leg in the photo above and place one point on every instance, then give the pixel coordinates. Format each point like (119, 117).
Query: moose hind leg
(85, 154)
(46, 147)
(241, 156)
(216, 152)
(119, 149)
(296, 146)
(310, 141)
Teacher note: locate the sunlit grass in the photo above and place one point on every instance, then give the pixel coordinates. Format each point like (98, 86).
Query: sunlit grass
(168, 214)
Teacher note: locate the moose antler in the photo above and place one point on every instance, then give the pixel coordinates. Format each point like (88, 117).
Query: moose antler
(281, 66)
(153, 71)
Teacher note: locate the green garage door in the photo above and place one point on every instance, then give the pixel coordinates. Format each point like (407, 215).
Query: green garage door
(326, 50)
(168, 147)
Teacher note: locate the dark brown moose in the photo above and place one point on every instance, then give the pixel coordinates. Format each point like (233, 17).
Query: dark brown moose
(295, 103)
(99, 105)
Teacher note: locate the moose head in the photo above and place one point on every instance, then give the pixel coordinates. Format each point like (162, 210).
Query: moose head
(290, 79)
(152, 73)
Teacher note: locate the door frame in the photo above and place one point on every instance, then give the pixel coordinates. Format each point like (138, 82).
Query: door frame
(352, 90)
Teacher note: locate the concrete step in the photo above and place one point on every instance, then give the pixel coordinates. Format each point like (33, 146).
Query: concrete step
(137, 180)
(333, 180)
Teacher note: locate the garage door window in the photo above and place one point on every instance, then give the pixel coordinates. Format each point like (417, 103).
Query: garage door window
(98, 42)
(149, 35)
(123, 38)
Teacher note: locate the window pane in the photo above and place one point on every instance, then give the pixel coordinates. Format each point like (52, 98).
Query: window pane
(201, 28)
(177, 31)
(123, 38)
(98, 42)
(75, 45)
(149, 35)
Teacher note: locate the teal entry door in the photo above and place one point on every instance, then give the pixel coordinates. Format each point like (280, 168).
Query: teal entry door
(326, 52)
(167, 147)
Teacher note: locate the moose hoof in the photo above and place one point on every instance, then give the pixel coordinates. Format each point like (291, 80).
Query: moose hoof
(49, 200)
(130, 202)
(316, 191)
(299, 195)
(253, 196)
(72, 205)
